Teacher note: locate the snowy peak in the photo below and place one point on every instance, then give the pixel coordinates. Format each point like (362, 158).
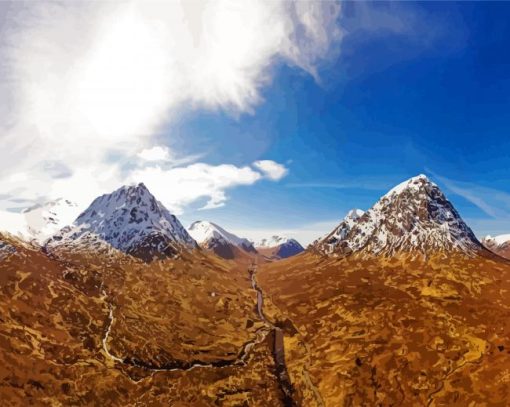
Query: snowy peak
(213, 237)
(43, 220)
(279, 247)
(273, 241)
(131, 220)
(498, 244)
(38, 222)
(414, 216)
(496, 240)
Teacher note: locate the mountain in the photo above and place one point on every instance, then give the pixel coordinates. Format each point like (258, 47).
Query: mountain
(415, 216)
(329, 242)
(44, 220)
(498, 244)
(216, 239)
(279, 247)
(37, 223)
(129, 219)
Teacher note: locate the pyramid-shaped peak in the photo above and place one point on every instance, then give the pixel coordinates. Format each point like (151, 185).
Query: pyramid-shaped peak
(130, 189)
(415, 183)
(132, 220)
(414, 216)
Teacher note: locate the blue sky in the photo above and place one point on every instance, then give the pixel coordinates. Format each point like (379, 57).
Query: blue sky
(349, 98)
(430, 97)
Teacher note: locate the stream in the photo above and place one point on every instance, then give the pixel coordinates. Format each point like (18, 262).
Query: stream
(278, 348)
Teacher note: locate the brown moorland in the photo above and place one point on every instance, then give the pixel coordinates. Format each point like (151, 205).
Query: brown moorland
(87, 330)
(397, 331)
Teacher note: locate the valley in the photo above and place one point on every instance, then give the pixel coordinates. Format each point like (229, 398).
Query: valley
(398, 305)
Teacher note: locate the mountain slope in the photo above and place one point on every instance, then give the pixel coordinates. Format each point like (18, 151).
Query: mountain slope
(131, 220)
(330, 241)
(212, 237)
(279, 247)
(415, 216)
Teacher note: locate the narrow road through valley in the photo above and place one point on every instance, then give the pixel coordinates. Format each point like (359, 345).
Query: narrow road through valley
(278, 343)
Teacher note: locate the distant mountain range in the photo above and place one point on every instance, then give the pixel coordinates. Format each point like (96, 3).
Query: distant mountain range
(279, 247)
(41, 221)
(498, 244)
(216, 239)
(415, 216)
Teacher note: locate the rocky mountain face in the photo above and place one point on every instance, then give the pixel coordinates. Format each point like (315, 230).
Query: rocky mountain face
(212, 237)
(328, 243)
(5, 248)
(129, 219)
(498, 244)
(415, 216)
(279, 247)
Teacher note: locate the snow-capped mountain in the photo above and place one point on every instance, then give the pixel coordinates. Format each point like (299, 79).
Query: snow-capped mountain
(415, 216)
(131, 220)
(213, 237)
(44, 220)
(38, 222)
(498, 244)
(279, 247)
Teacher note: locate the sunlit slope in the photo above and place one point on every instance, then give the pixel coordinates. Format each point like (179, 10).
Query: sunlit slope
(399, 331)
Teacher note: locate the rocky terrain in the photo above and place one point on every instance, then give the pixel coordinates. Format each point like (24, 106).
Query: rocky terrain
(119, 331)
(398, 331)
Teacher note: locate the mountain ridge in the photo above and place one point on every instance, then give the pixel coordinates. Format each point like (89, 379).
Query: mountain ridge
(279, 247)
(213, 237)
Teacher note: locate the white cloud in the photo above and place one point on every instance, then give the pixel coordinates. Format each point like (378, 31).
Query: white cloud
(163, 154)
(271, 169)
(179, 187)
(156, 153)
(86, 81)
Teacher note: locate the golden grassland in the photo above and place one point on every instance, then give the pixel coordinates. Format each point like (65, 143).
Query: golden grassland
(399, 331)
(54, 316)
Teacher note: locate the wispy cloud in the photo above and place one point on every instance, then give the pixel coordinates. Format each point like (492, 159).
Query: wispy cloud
(365, 185)
(492, 202)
